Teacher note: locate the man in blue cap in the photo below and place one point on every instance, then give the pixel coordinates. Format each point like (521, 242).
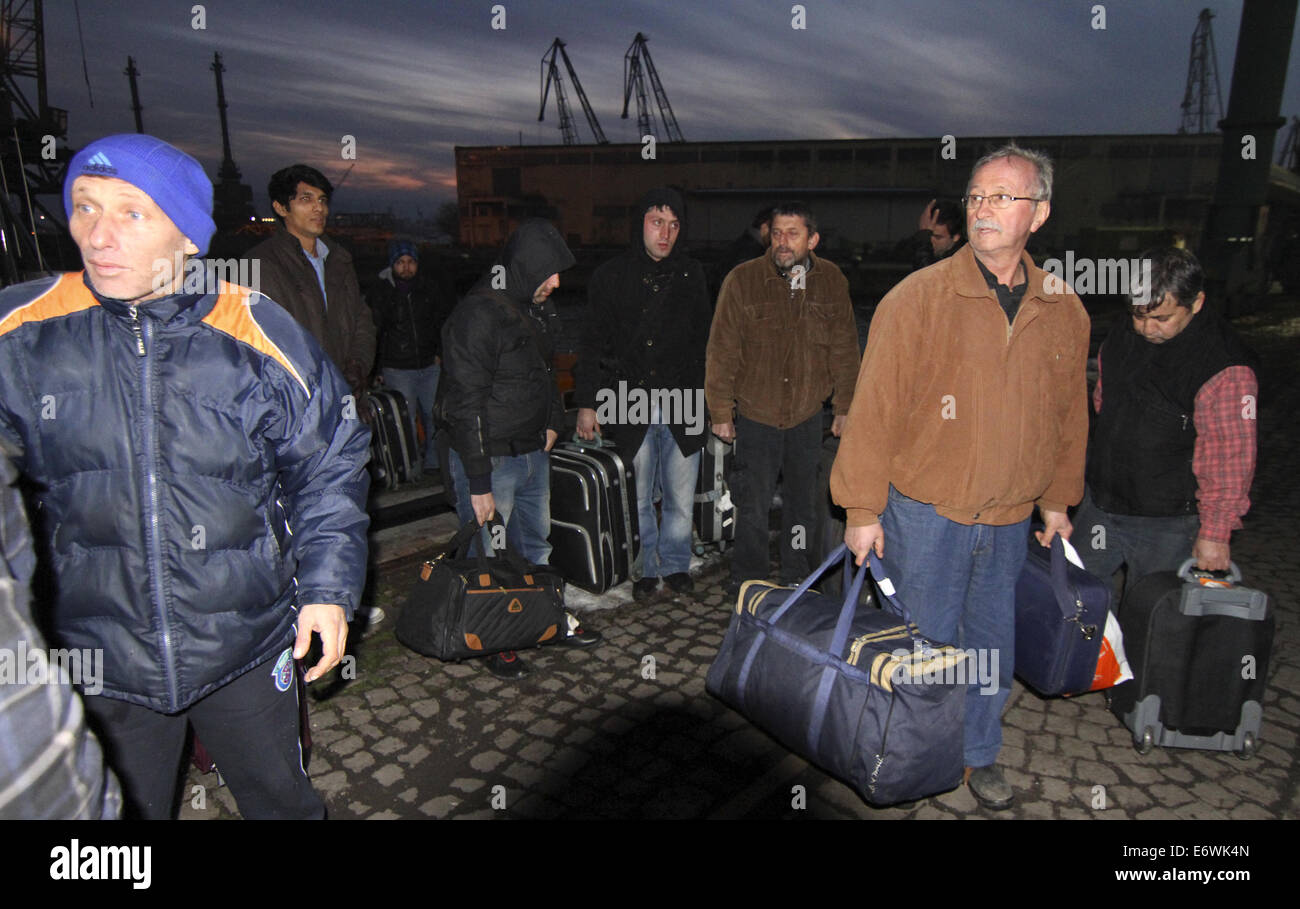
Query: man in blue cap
(201, 475)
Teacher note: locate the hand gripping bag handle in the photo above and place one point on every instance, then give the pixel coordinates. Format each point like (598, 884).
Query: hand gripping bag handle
(460, 543)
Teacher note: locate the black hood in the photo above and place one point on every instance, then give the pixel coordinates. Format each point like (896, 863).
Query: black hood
(534, 252)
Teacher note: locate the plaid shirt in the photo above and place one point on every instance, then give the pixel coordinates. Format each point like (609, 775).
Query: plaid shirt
(51, 766)
(1223, 459)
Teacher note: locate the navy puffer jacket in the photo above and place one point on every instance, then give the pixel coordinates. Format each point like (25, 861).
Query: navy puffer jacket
(200, 472)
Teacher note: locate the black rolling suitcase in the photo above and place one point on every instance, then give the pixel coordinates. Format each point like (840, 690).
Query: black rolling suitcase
(595, 535)
(392, 449)
(1199, 654)
(715, 515)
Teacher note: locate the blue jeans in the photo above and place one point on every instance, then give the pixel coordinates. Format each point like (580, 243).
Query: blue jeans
(521, 487)
(418, 386)
(660, 465)
(959, 583)
(1105, 541)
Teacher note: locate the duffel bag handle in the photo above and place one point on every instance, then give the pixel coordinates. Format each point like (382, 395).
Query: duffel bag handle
(887, 588)
(460, 543)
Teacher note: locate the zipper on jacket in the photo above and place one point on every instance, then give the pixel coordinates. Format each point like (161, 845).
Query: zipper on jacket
(153, 545)
(135, 328)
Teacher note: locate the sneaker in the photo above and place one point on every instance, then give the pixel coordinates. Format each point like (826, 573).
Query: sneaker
(989, 787)
(681, 582)
(644, 589)
(579, 636)
(506, 665)
(374, 616)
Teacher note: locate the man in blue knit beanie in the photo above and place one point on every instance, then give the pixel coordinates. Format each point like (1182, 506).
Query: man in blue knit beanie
(173, 437)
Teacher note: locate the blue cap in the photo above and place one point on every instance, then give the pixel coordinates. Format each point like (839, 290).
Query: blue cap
(174, 180)
(399, 248)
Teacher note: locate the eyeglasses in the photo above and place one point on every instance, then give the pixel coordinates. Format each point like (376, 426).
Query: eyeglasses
(997, 201)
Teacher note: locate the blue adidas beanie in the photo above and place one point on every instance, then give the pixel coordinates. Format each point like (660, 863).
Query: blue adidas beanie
(174, 180)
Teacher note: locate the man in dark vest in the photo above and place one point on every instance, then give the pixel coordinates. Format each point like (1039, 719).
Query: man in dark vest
(1173, 450)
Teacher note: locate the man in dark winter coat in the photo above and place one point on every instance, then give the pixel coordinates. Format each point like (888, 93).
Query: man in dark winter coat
(201, 477)
(640, 374)
(499, 403)
(409, 308)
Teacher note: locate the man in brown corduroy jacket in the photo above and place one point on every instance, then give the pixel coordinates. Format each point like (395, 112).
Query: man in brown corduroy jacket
(970, 411)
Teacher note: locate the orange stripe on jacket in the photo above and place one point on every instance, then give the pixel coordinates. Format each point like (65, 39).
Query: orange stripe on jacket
(66, 296)
(232, 315)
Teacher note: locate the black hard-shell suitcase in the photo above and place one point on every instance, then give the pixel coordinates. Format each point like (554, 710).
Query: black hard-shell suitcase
(393, 451)
(595, 534)
(1199, 656)
(715, 515)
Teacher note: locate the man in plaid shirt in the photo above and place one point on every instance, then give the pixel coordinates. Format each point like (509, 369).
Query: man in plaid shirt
(1173, 450)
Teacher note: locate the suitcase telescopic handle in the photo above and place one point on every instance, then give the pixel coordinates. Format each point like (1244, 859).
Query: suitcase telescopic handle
(1189, 572)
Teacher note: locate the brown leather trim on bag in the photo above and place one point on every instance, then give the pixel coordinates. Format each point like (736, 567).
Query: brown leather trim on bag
(550, 633)
(425, 570)
(485, 580)
(472, 641)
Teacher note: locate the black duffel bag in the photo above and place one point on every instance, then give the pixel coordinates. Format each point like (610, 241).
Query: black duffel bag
(855, 690)
(464, 607)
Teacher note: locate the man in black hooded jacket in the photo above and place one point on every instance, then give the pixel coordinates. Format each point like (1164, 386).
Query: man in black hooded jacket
(641, 366)
(498, 401)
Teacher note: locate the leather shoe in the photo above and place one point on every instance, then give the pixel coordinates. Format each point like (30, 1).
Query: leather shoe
(507, 665)
(644, 589)
(731, 588)
(582, 637)
(989, 787)
(681, 582)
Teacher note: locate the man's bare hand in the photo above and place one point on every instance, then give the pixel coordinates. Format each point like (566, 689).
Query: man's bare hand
(861, 540)
(330, 622)
(551, 436)
(588, 427)
(1054, 522)
(929, 219)
(1211, 556)
(837, 425)
(725, 431)
(484, 506)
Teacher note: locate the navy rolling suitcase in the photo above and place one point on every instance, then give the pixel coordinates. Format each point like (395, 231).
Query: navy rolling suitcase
(1199, 652)
(1060, 621)
(855, 690)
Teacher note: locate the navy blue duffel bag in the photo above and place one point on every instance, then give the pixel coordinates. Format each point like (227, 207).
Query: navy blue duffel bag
(1060, 621)
(858, 692)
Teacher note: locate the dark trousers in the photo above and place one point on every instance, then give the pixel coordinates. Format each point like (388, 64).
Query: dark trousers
(763, 452)
(250, 729)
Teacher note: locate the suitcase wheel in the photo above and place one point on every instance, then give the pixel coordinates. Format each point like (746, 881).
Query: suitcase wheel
(1248, 745)
(1147, 742)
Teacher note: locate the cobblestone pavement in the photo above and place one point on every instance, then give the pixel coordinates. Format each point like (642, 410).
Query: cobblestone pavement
(626, 729)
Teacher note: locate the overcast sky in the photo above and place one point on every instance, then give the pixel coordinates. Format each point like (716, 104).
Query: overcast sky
(411, 79)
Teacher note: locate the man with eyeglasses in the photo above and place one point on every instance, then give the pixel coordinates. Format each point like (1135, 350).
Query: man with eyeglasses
(970, 411)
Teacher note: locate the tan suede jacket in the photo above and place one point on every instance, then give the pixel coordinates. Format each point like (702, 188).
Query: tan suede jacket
(958, 409)
(776, 354)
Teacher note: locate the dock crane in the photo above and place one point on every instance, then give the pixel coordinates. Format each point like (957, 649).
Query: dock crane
(551, 74)
(636, 66)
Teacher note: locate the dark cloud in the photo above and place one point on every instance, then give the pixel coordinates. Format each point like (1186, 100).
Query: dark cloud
(410, 80)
